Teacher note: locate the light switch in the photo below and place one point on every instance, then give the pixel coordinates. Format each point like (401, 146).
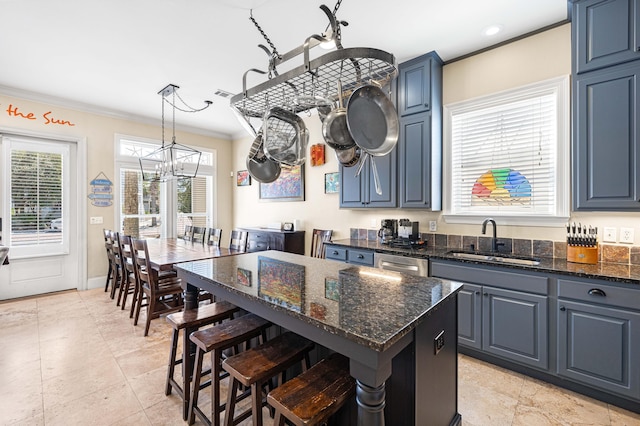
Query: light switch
(95, 220)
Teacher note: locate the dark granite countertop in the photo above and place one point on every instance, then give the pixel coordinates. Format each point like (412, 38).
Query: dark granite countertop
(620, 273)
(370, 306)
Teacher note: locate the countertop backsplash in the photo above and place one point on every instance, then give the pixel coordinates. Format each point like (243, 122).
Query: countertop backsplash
(608, 253)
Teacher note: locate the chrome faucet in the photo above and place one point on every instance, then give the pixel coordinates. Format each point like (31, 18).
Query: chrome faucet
(494, 241)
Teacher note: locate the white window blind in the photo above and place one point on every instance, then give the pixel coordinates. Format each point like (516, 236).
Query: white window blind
(507, 155)
(36, 197)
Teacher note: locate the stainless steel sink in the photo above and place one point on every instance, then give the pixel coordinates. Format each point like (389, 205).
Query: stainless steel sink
(495, 257)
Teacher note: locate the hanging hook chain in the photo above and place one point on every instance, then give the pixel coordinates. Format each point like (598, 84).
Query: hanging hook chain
(273, 47)
(335, 10)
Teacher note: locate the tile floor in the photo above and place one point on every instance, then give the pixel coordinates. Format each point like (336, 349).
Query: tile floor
(74, 358)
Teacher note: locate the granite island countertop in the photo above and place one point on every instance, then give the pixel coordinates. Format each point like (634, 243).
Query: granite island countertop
(620, 273)
(369, 306)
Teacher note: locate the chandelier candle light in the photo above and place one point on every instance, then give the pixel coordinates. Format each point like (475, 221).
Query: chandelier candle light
(173, 160)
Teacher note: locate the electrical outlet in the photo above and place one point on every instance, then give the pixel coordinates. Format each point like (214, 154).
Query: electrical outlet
(626, 235)
(433, 226)
(609, 235)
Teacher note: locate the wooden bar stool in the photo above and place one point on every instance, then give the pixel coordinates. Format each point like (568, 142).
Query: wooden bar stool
(191, 319)
(217, 339)
(315, 395)
(255, 367)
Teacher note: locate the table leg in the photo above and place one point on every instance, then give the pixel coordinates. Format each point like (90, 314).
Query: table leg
(189, 349)
(371, 402)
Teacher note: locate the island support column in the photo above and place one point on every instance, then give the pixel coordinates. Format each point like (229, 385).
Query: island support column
(371, 402)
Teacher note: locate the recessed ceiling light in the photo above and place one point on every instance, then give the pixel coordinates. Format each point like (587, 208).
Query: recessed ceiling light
(492, 30)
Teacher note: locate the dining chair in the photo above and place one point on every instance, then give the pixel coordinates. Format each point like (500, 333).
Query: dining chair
(238, 240)
(108, 245)
(198, 234)
(162, 296)
(214, 237)
(128, 280)
(113, 254)
(318, 238)
(188, 233)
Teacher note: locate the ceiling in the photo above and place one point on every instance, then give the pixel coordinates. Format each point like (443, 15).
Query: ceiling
(115, 56)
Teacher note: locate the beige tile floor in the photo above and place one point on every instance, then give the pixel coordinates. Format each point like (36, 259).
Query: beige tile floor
(74, 358)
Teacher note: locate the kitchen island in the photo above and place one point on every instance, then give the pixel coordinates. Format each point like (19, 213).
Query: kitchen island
(399, 331)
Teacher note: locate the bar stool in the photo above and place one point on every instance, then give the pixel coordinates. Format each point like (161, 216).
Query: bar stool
(217, 339)
(315, 395)
(255, 367)
(191, 319)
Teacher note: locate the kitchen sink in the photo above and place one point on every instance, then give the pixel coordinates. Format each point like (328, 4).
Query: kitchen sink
(495, 257)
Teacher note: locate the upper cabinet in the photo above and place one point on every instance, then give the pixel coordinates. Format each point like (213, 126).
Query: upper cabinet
(360, 191)
(605, 32)
(606, 106)
(420, 145)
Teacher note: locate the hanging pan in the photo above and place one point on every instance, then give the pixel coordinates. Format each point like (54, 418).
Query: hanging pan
(372, 120)
(348, 157)
(285, 137)
(260, 167)
(334, 126)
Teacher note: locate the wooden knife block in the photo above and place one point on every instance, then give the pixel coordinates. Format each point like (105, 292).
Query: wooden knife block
(579, 254)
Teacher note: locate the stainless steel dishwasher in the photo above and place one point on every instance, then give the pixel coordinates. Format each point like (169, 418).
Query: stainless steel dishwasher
(407, 265)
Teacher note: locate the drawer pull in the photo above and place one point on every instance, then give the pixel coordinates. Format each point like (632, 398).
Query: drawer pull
(597, 292)
(360, 256)
(485, 294)
(562, 308)
(335, 252)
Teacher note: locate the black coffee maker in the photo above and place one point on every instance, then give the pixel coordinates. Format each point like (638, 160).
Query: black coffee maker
(388, 230)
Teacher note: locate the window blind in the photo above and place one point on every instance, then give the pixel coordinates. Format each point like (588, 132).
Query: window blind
(504, 154)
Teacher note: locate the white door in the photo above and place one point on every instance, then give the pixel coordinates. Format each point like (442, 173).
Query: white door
(39, 208)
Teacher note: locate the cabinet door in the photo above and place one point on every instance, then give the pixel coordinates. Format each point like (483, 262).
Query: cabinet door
(276, 241)
(257, 241)
(352, 188)
(415, 161)
(600, 347)
(606, 153)
(414, 88)
(470, 316)
(605, 33)
(514, 326)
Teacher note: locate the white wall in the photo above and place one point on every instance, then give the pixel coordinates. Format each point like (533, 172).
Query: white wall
(535, 58)
(99, 131)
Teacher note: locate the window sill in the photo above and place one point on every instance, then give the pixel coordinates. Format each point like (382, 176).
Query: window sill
(546, 221)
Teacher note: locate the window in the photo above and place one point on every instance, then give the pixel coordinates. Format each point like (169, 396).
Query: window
(506, 156)
(155, 209)
(36, 172)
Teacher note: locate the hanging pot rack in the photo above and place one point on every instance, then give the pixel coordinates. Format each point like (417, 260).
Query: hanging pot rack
(354, 67)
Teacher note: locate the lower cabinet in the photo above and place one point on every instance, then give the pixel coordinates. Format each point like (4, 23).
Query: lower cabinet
(502, 318)
(598, 337)
(347, 254)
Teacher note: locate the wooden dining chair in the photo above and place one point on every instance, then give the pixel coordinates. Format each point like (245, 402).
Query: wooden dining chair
(188, 233)
(128, 280)
(318, 238)
(108, 245)
(214, 236)
(198, 234)
(113, 254)
(161, 296)
(238, 240)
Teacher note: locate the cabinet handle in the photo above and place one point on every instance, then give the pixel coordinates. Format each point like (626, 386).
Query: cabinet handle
(477, 292)
(360, 256)
(335, 252)
(485, 294)
(597, 292)
(562, 308)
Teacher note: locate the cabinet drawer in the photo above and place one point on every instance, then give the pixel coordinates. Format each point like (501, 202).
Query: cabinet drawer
(335, 253)
(362, 257)
(599, 293)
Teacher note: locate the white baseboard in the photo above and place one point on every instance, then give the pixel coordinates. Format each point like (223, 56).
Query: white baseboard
(96, 282)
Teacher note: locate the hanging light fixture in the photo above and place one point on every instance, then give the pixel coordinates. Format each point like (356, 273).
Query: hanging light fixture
(172, 160)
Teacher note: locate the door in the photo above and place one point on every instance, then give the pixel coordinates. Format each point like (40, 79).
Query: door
(415, 161)
(39, 202)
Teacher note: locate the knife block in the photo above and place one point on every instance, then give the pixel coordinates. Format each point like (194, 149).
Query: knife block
(579, 254)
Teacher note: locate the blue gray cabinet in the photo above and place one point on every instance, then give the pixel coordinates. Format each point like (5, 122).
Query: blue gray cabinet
(599, 336)
(348, 254)
(420, 143)
(511, 319)
(605, 33)
(360, 192)
(606, 151)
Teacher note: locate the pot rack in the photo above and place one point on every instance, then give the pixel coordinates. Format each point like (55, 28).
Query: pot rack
(354, 67)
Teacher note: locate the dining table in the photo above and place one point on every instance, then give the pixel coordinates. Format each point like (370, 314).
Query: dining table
(399, 331)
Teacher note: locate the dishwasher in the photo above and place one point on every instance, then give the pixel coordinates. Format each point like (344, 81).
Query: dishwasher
(407, 265)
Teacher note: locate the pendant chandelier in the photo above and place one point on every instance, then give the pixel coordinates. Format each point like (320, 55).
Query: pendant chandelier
(172, 160)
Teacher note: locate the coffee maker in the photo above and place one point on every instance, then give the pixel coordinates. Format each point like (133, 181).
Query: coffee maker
(388, 230)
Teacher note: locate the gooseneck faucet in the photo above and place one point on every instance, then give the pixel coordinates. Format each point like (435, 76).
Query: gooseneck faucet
(494, 241)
